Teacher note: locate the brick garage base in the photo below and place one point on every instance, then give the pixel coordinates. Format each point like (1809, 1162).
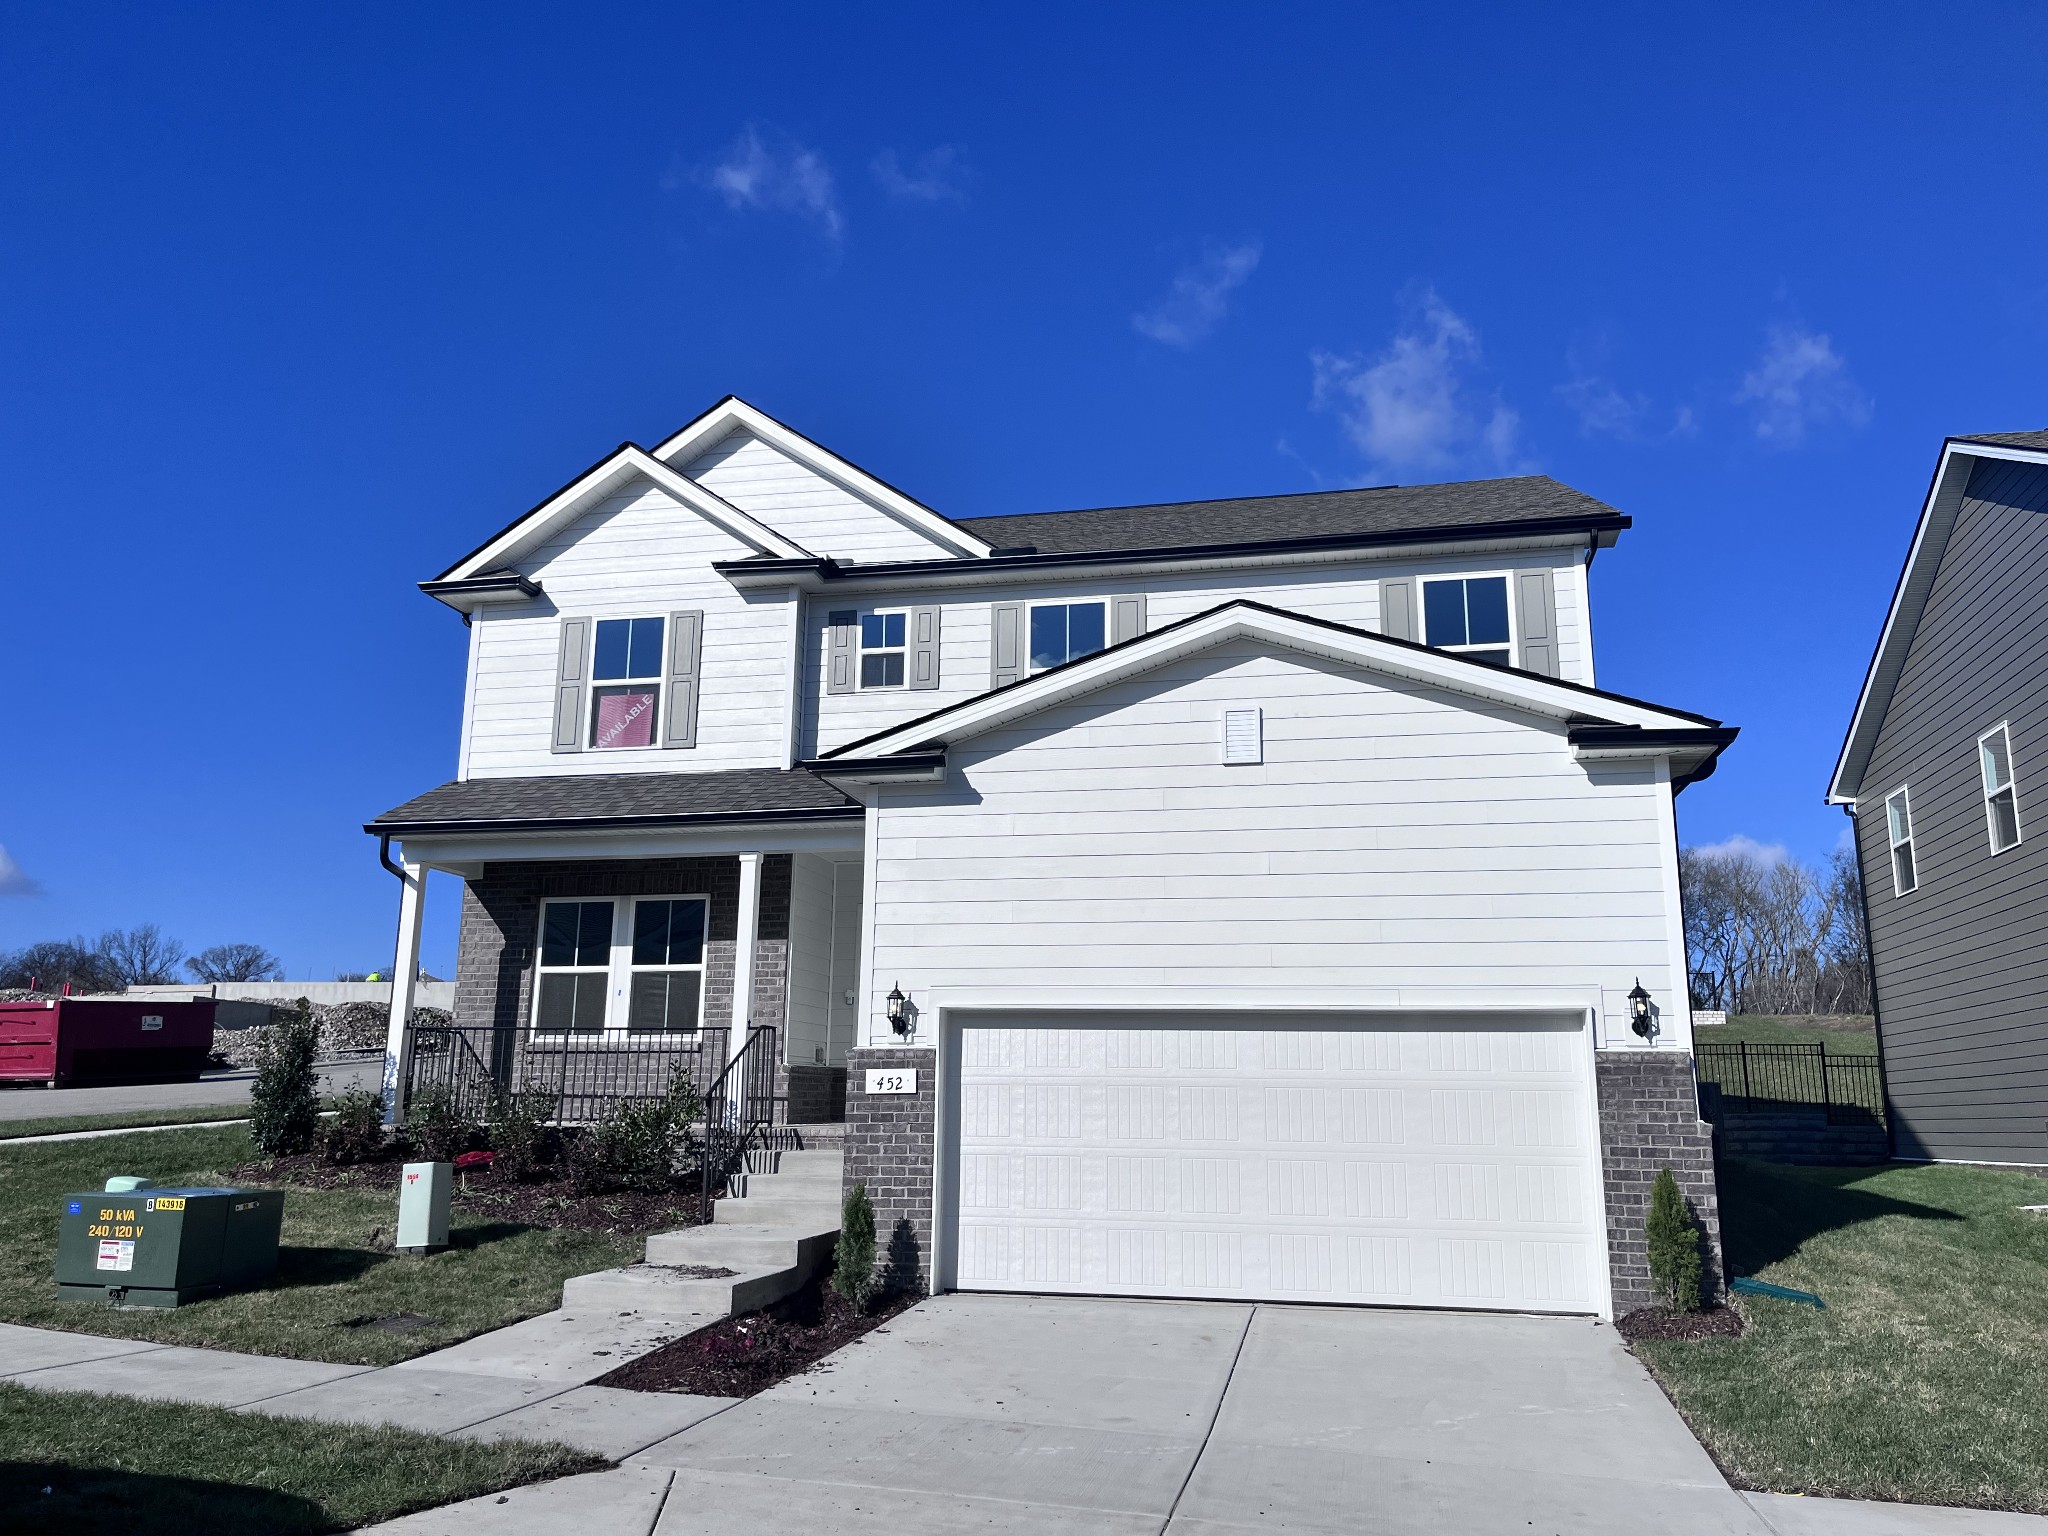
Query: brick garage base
(891, 1145)
(1649, 1121)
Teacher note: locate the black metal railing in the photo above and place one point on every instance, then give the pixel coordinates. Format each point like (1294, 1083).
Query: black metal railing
(740, 1111)
(1759, 1079)
(584, 1075)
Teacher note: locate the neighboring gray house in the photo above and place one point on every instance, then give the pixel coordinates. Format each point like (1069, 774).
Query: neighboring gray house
(1251, 898)
(1943, 771)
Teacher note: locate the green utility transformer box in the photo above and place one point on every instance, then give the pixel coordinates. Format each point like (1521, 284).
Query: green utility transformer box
(165, 1247)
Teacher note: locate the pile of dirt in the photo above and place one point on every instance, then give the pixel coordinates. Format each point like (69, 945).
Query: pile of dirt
(739, 1356)
(1663, 1323)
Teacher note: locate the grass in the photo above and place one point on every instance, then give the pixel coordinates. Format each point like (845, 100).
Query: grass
(79, 1461)
(127, 1120)
(330, 1272)
(1850, 1034)
(1925, 1380)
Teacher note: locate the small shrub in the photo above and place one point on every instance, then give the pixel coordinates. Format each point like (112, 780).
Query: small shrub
(853, 1271)
(284, 1101)
(520, 1132)
(1673, 1239)
(436, 1125)
(356, 1133)
(637, 1143)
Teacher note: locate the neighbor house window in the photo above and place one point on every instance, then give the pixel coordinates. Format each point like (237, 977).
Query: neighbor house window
(1469, 615)
(626, 682)
(575, 967)
(881, 649)
(667, 966)
(1062, 631)
(1898, 815)
(2001, 799)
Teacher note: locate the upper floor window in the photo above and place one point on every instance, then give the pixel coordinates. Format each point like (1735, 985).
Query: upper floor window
(2001, 798)
(1062, 631)
(1469, 615)
(882, 638)
(1898, 815)
(626, 677)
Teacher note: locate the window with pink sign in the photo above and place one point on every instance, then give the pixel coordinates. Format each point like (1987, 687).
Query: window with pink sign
(626, 672)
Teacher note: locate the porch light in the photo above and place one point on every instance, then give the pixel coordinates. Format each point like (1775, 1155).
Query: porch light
(1639, 1011)
(899, 1012)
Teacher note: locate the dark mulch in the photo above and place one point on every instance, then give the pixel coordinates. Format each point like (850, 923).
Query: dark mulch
(739, 1356)
(1662, 1323)
(543, 1202)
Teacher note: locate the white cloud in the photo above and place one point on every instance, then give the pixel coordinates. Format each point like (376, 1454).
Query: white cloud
(1800, 382)
(1417, 405)
(940, 175)
(783, 177)
(1195, 304)
(1602, 407)
(14, 880)
(1738, 846)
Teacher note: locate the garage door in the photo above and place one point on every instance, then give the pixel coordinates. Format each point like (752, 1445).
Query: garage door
(1418, 1166)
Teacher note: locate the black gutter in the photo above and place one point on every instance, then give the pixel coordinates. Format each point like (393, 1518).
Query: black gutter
(389, 829)
(914, 760)
(1651, 737)
(512, 582)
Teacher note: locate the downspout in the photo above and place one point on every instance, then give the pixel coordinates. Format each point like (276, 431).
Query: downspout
(384, 856)
(1884, 1081)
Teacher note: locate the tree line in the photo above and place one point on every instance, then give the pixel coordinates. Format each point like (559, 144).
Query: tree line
(1769, 935)
(130, 957)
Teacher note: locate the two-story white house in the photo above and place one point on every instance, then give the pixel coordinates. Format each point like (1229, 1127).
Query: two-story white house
(1245, 898)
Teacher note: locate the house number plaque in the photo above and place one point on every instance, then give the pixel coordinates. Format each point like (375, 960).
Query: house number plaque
(892, 1079)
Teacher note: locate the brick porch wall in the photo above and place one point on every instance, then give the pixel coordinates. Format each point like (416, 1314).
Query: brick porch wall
(1649, 1121)
(890, 1146)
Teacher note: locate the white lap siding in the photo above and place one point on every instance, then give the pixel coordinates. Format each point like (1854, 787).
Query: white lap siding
(800, 504)
(1397, 847)
(810, 959)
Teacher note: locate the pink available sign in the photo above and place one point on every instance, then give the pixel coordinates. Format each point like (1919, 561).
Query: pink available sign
(625, 719)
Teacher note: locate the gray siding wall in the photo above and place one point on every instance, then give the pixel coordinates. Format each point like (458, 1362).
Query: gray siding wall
(1962, 961)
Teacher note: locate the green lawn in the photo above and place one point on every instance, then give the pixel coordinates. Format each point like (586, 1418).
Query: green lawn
(1925, 1380)
(78, 1462)
(1851, 1034)
(330, 1273)
(54, 1125)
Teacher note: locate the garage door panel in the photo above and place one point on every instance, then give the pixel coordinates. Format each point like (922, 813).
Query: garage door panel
(1393, 1165)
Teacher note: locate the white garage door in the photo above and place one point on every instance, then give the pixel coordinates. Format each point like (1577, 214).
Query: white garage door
(1416, 1166)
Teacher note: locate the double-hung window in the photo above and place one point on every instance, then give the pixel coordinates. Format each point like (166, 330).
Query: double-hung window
(1898, 817)
(2001, 797)
(881, 649)
(1060, 632)
(1469, 615)
(626, 678)
(625, 966)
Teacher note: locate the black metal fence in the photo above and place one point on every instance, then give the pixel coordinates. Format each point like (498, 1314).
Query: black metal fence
(1757, 1079)
(585, 1075)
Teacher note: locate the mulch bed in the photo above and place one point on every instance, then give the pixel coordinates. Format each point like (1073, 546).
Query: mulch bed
(1661, 1323)
(547, 1202)
(739, 1356)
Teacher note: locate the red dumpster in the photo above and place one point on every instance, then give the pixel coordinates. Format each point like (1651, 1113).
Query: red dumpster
(104, 1040)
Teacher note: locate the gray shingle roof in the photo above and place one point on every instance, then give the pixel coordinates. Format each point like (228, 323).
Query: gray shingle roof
(1311, 514)
(2037, 440)
(620, 799)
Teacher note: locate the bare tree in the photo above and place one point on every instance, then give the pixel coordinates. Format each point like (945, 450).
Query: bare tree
(141, 956)
(1773, 936)
(235, 962)
(54, 964)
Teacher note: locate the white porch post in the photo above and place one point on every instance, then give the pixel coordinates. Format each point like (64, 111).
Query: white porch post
(404, 986)
(743, 953)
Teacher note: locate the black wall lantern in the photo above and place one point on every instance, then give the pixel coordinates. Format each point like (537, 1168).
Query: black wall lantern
(899, 1012)
(1639, 1011)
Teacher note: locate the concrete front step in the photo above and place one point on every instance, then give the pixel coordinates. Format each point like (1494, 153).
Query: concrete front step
(656, 1290)
(741, 1247)
(813, 1136)
(764, 1211)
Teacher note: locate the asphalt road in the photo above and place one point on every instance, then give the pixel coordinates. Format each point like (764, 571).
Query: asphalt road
(230, 1090)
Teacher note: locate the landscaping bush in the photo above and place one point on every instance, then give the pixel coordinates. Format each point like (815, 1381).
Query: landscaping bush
(436, 1125)
(284, 1102)
(1673, 1238)
(520, 1132)
(356, 1134)
(637, 1143)
(853, 1273)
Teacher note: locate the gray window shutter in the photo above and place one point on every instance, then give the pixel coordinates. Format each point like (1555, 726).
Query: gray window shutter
(685, 676)
(1126, 617)
(924, 646)
(1397, 608)
(1536, 619)
(841, 625)
(1007, 661)
(572, 685)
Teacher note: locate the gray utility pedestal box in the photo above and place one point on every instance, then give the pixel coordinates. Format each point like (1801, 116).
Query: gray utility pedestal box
(165, 1247)
(423, 1193)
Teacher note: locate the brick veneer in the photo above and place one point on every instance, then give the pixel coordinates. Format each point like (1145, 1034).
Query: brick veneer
(817, 1095)
(1649, 1121)
(891, 1145)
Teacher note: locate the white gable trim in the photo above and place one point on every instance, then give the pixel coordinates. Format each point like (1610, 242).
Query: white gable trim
(1909, 601)
(1241, 621)
(734, 414)
(592, 487)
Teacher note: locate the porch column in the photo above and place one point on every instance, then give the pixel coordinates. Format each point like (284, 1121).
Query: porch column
(404, 986)
(744, 933)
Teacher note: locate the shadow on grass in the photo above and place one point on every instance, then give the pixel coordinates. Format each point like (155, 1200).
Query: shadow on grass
(1768, 1210)
(45, 1499)
(473, 1237)
(323, 1266)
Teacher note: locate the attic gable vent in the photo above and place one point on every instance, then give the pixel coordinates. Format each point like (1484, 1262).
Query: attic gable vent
(1243, 736)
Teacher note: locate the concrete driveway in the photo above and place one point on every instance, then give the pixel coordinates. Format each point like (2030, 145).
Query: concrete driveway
(1063, 1415)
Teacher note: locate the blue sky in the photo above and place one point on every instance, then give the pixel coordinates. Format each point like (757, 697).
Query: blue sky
(297, 304)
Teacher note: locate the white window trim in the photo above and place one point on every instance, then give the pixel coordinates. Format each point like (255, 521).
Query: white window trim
(1905, 798)
(2010, 788)
(1507, 577)
(619, 971)
(861, 651)
(1031, 667)
(658, 683)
